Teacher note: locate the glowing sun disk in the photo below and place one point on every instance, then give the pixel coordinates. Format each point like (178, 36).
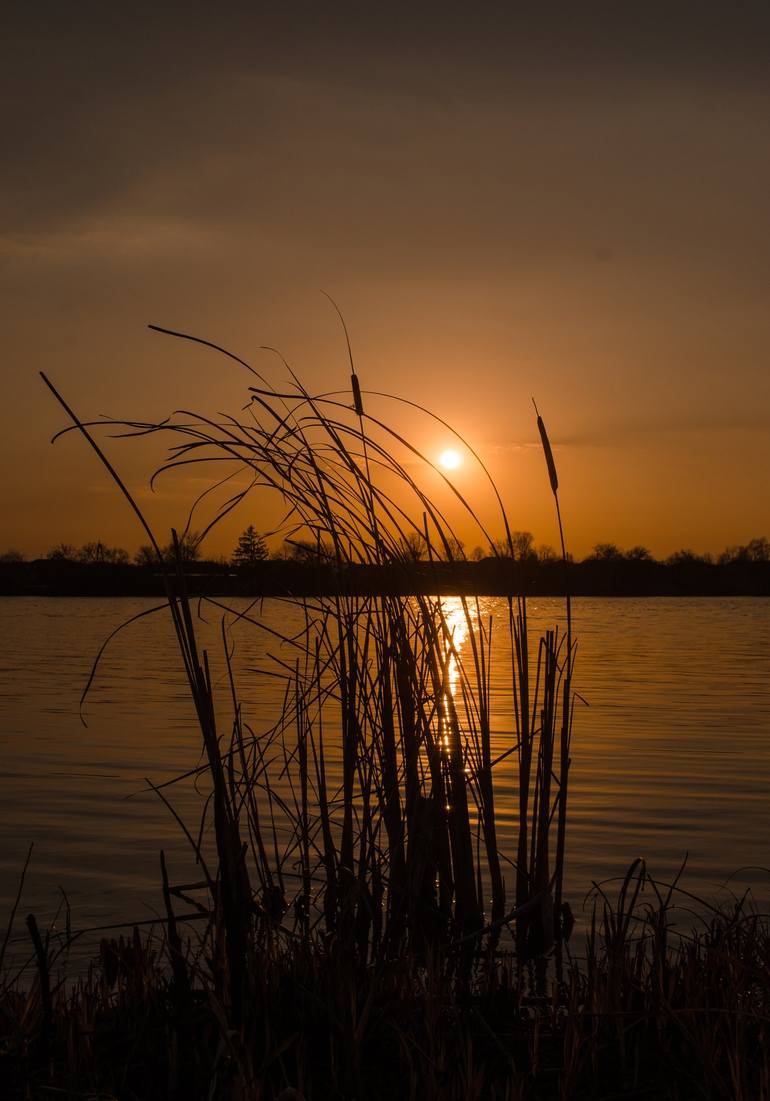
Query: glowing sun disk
(450, 459)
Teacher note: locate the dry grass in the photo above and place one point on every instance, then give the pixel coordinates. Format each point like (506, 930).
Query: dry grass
(648, 1012)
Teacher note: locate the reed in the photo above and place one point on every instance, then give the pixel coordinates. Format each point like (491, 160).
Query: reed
(349, 935)
(356, 854)
(408, 847)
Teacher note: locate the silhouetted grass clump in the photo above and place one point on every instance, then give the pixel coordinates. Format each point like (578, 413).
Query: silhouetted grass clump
(394, 846)
(357, 931)
(649, 1011)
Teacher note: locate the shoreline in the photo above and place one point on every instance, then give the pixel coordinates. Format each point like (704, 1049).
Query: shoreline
(490, 577)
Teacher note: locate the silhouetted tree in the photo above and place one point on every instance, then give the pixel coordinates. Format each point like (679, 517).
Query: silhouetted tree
(308, 552)
(413, 545)
(687, 557)
(732, 554)
(520, 547)
(756, 550)
(189, 547)
(606, 552)
(638, 554)
(98, 552)
(12, 555)
(523, 545)
(759, 549)
(546, 553)
(250, 549)
(454, 551)
(146, 556)
(62, 552)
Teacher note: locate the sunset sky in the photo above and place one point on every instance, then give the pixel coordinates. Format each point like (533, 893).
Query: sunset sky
(573, 207)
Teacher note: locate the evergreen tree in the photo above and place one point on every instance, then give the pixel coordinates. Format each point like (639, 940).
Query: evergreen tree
(251, 548)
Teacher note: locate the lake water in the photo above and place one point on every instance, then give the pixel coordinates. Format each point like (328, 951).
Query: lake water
(672, 756)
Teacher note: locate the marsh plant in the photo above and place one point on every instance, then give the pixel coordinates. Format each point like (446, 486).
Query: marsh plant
(355, 930)
(368, 811)
(355, 841)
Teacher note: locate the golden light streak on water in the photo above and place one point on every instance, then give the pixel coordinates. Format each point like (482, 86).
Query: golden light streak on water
(457, 627)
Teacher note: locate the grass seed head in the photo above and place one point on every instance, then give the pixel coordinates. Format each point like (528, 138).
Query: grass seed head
(552, 475)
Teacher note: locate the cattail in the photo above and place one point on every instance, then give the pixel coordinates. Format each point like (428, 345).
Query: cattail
(547, 452)
(357, 403)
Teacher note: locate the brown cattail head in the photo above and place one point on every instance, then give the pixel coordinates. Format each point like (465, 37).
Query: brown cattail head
(547, 452)
(358, 405)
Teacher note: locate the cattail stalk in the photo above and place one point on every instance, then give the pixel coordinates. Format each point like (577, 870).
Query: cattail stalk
(567, 682)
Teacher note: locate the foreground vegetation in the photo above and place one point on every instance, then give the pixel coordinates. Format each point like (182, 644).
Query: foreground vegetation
(647, 1012)
(355, 930)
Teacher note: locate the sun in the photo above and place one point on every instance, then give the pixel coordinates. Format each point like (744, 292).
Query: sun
(450, 459)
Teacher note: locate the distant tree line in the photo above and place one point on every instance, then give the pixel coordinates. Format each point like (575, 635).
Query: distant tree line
(251, 550)
(99, 553)
(756, 550)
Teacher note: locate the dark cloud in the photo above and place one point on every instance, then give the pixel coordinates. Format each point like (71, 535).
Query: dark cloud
(386, 43)
(99, 98)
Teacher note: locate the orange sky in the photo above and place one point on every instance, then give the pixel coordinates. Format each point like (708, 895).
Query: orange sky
(501, 206)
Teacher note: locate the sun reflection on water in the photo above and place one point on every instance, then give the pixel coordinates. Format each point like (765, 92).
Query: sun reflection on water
(456, 622)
